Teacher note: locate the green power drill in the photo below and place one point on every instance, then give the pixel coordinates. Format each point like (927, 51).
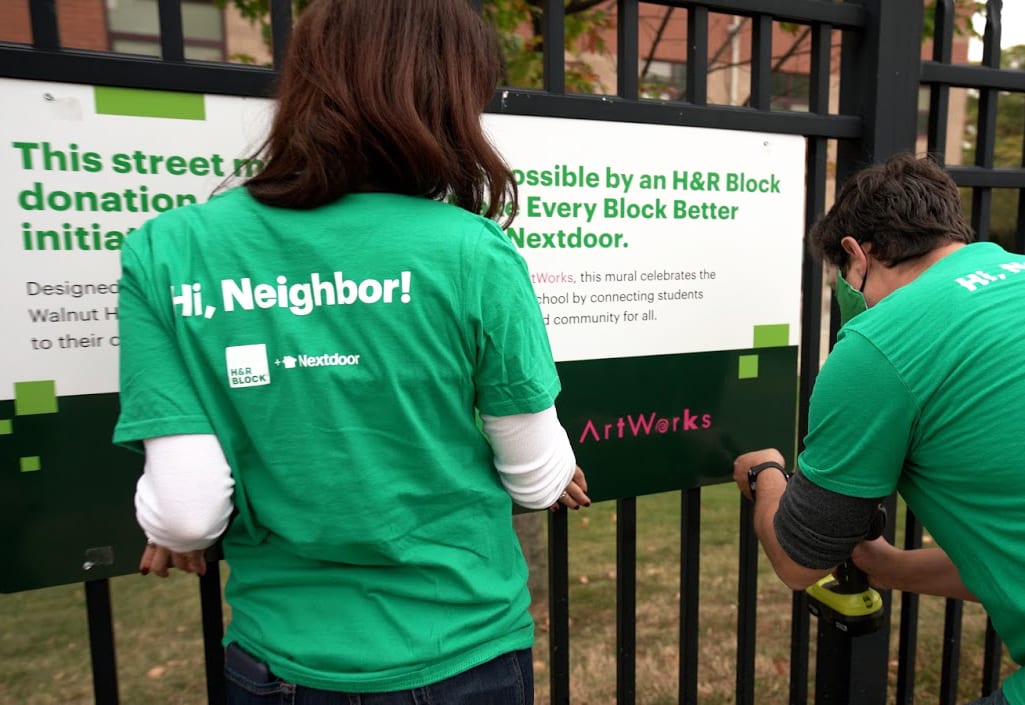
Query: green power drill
(845, 599)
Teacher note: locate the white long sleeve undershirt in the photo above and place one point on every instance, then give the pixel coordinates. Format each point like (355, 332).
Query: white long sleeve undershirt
(532, 455)
(183, 500)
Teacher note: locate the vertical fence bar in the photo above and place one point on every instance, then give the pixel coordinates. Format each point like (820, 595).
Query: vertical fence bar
(811, 325)
(697, 55)
(626, 600)
(43, 17)
(172, 32)
(747, 605)
(761, 63)
(879, 81)
(991, 660)
(554, 79)
(627, 49)
(213, 631)
(832, 668)
(558, 606)
(690, 554)
(834, 321)
(939, 94)
(281, 28)
(553, 32)
(815, 205)
(1019, 233)
(907, 644)
(101, 641)
(951, 651)
(982, 198)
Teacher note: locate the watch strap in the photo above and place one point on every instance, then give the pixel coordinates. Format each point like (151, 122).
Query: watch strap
(755, 470)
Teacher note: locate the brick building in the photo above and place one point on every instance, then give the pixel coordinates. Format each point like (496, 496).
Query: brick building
(215, 34)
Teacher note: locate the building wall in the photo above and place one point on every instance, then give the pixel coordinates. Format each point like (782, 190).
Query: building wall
(729, 77)
(82, 24)
(14, 22)
(243, 39)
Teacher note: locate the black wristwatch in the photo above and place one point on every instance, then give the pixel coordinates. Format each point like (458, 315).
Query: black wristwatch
(752, 474)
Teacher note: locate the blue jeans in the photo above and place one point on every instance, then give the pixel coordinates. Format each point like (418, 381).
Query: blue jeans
(994, 698)
(506, 680)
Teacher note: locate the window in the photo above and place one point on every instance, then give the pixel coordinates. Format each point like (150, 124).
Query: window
(134, 28)
(790, 91)
(665, 80)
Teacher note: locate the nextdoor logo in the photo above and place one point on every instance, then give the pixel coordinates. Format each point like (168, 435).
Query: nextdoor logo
(247, 365)
(325, 360)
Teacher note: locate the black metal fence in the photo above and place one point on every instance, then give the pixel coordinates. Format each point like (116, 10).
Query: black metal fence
(880, 73)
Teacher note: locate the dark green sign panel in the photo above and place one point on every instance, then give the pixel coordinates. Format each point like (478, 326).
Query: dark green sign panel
(66, 493)
(638, 425)
(668, 422)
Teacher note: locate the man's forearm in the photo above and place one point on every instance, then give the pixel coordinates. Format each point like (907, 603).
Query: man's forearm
(927, 571)
(931, 572)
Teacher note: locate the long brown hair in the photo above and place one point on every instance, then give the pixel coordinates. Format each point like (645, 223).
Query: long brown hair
(385, 95)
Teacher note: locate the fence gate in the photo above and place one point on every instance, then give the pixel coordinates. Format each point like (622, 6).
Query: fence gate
(860, 73)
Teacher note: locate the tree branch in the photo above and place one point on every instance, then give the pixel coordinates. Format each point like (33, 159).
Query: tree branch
(784, 56)
(658, 39)
(726, 42)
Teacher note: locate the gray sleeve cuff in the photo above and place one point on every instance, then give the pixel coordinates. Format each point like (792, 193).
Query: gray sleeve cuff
(818, 528)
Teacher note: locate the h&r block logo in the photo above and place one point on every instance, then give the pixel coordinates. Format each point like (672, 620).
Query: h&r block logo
(247, 365)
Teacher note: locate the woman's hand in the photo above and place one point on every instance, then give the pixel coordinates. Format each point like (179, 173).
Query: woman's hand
(159, 560)
(575, 494)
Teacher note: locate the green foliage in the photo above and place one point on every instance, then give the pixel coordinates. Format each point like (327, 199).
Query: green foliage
(518, 24)
(1007, 149)
(964, 10)
(258, 13)
(519, 27)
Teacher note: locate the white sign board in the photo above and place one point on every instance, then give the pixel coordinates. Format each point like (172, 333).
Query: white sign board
(641, 239)
(653, 239)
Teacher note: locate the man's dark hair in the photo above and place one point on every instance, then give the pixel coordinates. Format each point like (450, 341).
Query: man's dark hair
(905, 208)
(385, 95)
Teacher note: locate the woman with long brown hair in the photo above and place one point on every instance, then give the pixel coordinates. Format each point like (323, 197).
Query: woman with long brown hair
(303, 359)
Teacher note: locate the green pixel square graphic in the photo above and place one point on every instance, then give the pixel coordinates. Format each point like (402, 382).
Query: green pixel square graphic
(30, 463)
(772, 336)
(35, 398)
(747, 367)
(138, 102)
(6, 427)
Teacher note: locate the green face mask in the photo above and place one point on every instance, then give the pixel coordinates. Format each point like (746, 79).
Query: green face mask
(850, 300)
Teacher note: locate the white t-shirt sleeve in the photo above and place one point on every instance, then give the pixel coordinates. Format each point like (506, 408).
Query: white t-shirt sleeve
(183, 500)
(533, 456)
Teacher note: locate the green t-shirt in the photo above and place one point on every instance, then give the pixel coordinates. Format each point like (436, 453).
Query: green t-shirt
(925, 393)
(338, 355)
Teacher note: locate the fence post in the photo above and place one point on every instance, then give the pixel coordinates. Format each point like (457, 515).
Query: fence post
(101, 641)
(879, 81)
(880, 76)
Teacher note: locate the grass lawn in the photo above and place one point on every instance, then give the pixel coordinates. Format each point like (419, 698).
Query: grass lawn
(44, 649)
